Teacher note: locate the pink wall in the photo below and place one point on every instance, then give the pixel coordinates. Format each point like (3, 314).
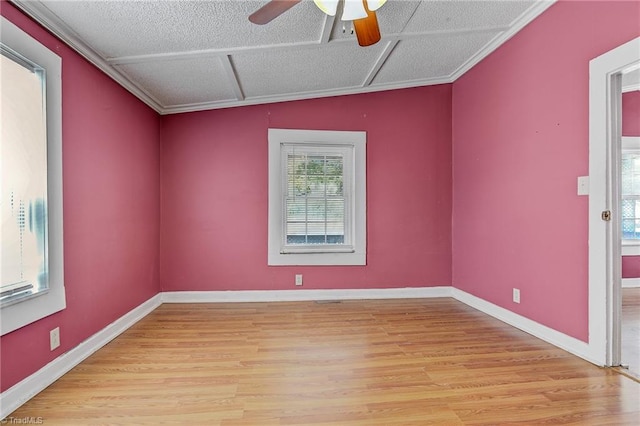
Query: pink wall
(630, 266)
(631, 127)
(631, 113)
(111, 210)
(214, 192)
(520, 139)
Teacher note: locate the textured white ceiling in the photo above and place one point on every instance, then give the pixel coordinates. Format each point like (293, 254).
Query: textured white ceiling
(275, 72)
(171, 85)
(184, 55)
(436, 56)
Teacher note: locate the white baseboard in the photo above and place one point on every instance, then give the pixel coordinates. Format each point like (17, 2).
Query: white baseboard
(21, 392)
(303, 295)
(549, 335)
(630, 282)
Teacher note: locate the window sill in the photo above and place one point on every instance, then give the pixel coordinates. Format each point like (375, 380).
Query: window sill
(317, 250)
(317, 259)
(631, 248)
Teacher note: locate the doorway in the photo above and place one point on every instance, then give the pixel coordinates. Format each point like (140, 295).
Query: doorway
(630, 192)
(605, 226)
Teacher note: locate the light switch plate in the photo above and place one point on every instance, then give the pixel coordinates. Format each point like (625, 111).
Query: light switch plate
(583, 185)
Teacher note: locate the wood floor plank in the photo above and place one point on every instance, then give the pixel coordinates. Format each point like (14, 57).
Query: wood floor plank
(630, 351)
(375, 362)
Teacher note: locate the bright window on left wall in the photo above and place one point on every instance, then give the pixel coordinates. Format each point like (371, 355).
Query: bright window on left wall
(31, 262)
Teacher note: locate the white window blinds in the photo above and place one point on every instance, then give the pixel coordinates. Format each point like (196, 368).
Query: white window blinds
(316, 198)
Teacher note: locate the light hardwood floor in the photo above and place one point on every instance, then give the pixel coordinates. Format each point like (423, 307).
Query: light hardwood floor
(388, 362)
(631, 330)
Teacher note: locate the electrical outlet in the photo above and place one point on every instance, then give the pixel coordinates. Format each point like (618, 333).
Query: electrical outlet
(54, 338)
(298, 279)
(516, 295)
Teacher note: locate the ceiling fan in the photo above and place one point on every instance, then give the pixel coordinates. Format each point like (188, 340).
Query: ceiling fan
(361, 12)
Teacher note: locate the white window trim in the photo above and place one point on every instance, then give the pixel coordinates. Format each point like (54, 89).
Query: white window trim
(630, 144)
(357, 253)
(32, 309)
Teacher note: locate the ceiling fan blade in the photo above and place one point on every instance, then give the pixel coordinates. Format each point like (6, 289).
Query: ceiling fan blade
(367, 29)
(271, 11)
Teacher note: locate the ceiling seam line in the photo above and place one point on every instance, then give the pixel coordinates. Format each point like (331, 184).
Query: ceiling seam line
(285, 46)
(327, 29)
(380, 62)
(404, 27)
(229, 69)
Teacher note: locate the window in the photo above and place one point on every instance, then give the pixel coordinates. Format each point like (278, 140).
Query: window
(31, 275)
(317, 197)
(630, 194)
(24, 179)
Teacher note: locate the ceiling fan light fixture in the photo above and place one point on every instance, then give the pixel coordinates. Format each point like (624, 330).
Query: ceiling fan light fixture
(360, 12)
(367, 29)
(330, 7)
(353, 9)
(374, 5)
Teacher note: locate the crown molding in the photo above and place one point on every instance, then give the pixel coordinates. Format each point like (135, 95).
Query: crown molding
(176, 109)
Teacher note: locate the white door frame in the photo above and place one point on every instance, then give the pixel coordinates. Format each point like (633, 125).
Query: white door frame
(605, 275)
